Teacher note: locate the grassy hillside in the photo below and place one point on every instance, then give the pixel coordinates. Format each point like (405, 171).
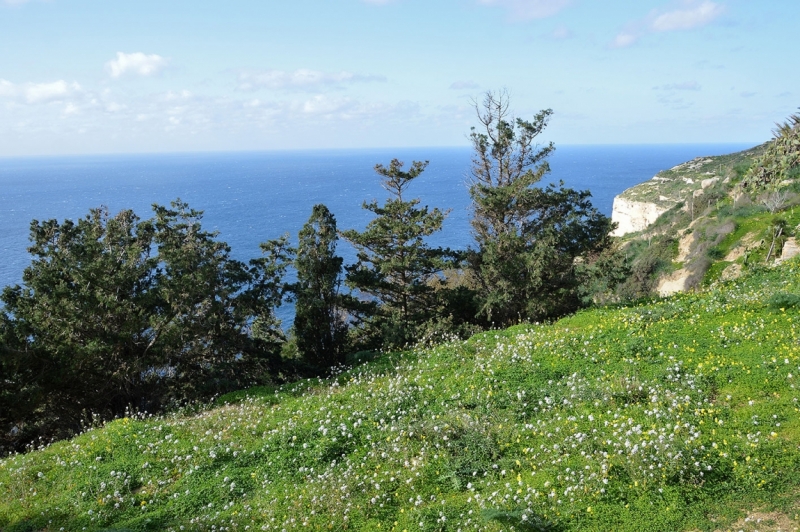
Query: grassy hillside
(680, 414)
(712, 228)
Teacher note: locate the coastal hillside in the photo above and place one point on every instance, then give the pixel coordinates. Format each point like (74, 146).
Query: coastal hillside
(696, 223)
(639, 206)
(677, 414)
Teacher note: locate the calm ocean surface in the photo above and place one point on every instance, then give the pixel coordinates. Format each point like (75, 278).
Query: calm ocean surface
(251, 197)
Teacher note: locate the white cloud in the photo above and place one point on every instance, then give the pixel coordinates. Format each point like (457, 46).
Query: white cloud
(48, 92)
(687, 18)
(299, 79)
(36, 93)
(136, 63)
(529, 9)
(624, 39)
(7, 89)
(692, 14)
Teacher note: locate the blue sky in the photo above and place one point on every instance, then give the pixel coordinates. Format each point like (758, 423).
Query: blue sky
(102, 76)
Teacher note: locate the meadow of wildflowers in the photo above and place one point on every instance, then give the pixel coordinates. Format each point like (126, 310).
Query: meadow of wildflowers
(679, 414)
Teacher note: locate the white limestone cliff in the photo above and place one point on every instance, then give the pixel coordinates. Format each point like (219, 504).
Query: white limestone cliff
(631, 216)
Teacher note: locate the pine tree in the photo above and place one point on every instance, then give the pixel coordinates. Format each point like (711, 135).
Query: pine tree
(397, 270)
(319, 327)
(530, 239)
(118, 312)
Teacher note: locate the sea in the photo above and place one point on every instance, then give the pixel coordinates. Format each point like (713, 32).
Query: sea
(250, 197)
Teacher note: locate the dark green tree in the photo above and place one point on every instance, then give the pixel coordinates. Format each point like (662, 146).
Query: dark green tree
(530, 240)
(320, 327)
(397, 270)
(208, 303)
(75, 334)
(115, 312)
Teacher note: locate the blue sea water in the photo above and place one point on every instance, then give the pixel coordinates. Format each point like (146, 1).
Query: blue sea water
(250, 197)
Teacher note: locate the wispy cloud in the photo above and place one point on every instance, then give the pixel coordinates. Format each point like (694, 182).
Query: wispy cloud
(523, 10)
(561, 32)
(137, 63)
(682, 86)
(37, 93)
(676, 104)
(463, 85)
(685, 15)
(303, 78)
(7, 89)
(624, 39)
(688, 17)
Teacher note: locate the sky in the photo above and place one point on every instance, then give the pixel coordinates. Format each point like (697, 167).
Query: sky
(140, 76)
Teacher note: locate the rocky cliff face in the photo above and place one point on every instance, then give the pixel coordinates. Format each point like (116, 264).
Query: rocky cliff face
(718, 231)
(639, 206)
(632, 216)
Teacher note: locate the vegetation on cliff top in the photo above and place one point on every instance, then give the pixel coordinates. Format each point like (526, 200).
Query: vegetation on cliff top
(724, 214)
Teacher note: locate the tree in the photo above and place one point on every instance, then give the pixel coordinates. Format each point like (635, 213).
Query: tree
(207, 305)
(530, 240)
(115, 312)
(396, 268)
(319, 327)
(73, 332)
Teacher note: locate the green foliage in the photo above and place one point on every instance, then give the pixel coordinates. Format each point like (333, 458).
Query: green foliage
(646, 260)
(782, 300)
(741, 169)
(320, 327)
(781, 157)
(677, 414)
(528, 238)
(602, 277)
(117, 313)
(397, 271)
(715, 253)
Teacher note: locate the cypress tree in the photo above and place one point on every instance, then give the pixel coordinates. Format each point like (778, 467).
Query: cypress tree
(319, 325)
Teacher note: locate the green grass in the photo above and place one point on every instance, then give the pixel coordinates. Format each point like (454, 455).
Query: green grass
(679, 414)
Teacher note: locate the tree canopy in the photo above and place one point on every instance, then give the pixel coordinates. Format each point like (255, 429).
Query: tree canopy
(320, 327)
(397, 270)
(529, 239)
(115, 312)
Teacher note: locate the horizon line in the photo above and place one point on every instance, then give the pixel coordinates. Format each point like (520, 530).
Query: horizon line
(363, 149)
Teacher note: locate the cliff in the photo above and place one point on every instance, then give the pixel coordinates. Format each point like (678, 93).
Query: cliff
(638, 207)
(693, 224)
(633, 216)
